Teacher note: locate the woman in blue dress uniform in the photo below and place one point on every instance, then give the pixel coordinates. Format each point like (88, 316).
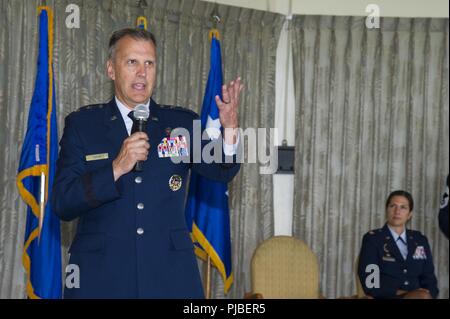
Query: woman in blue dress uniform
(396, 262)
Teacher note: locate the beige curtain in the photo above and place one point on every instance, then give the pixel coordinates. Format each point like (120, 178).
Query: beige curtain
(249, 40)
(371, 117)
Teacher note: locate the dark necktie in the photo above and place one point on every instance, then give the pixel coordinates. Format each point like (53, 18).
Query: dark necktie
(404, 248)
(135, 124)
(134, 129)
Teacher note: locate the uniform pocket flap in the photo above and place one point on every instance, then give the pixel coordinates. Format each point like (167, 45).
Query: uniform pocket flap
(86, 242)
(181, 240)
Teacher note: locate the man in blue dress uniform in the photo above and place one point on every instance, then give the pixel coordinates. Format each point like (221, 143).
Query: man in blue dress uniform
(396, 262)
(132, 240)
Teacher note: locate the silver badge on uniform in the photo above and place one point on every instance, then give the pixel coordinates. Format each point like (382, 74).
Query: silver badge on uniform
(175, 182)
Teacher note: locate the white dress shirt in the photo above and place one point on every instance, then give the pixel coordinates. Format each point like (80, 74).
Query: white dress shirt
(401, 243)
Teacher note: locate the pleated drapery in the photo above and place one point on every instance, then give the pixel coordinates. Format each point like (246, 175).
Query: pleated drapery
(371, 117)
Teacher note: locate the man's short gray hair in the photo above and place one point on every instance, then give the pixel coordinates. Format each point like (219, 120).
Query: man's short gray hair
(135, 33)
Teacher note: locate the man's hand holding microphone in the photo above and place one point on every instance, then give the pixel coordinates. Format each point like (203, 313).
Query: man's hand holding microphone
(135, 148)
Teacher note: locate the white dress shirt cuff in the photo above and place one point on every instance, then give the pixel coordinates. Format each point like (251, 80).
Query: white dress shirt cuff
(230, 149)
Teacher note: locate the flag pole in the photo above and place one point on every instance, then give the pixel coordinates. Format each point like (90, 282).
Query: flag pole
(207, 276)
(41, 205)
(215, 19)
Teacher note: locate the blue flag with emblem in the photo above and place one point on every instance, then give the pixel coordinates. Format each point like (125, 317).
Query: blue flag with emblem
(42, 245)
(207, 212)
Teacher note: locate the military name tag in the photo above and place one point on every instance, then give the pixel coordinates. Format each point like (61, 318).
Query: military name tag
(97, 157)
(173, 147)
(388, 258)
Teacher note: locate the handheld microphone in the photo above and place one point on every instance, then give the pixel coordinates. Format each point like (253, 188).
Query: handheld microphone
(141, 114)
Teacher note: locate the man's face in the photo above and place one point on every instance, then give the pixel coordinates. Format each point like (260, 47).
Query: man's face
(398, 211)
(133, 70)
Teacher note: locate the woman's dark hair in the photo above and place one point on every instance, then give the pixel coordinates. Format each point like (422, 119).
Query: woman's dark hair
(405, 194)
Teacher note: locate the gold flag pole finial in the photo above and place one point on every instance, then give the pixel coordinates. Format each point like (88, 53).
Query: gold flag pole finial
(141, 21)
(42, 5)
(215, 19)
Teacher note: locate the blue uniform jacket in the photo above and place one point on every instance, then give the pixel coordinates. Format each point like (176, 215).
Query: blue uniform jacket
(132, 240)
(417, 271)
